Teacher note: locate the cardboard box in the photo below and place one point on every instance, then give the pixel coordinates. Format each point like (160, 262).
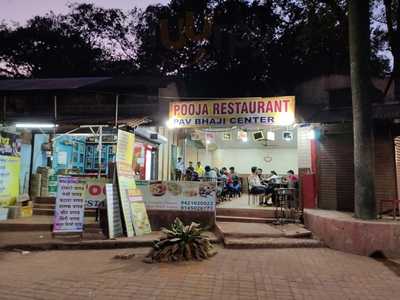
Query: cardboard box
(26, 211)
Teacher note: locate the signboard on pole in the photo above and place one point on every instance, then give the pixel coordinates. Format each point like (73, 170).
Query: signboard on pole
(70, 205)
(113, 212)
(134, 210)
(233, 112)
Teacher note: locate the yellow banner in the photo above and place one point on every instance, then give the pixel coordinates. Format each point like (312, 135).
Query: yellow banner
(9, 180)
(233, 112)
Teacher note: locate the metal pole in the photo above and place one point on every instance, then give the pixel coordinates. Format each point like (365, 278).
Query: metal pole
(55, 108)
(4, 109)
(100, 148)
(116, 110)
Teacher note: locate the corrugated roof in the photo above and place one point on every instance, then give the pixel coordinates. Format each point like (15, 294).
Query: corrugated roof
(49, 83)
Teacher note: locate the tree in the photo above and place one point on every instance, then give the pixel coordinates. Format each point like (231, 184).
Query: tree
(359, 34)
(387, 15)
(87, 41)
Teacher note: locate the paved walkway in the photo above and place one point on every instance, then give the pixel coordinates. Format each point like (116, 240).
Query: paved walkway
(232, 274)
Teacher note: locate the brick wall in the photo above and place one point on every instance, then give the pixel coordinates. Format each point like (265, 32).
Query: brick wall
(397, 153)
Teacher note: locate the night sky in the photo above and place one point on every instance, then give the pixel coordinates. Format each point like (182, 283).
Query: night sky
(21, 10)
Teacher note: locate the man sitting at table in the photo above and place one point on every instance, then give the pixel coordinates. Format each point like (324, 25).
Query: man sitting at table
(256, 187)
(210, 174)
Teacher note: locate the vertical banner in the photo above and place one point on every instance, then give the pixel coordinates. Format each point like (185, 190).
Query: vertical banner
(134, 210)
(113, 212)
(9, 180)
(70, 205)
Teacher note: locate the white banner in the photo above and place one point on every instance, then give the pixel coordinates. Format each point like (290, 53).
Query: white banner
(178, 195)
(70, 205)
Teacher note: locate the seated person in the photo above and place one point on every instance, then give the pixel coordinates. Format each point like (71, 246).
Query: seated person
(255, 185)
(210, 174)
(188, 175)
(274, 178)
(236, 186)
(263, 180)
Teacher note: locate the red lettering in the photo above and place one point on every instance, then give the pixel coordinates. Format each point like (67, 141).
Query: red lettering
(216, 108)
(184, 109)
(278, 106)
(205, 110)
(252, 107)
(177, 108)
(223, 108)
(269, 107)
(191, 109)
(261, 107)
(231, 108)
(245, 109)
(286, 105)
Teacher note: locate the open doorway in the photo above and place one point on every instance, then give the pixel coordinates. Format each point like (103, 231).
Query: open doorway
(272, 150)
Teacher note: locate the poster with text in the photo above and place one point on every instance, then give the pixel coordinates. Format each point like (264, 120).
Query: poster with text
(95, 192)
(9, 180)
(113, 212)
(133, 207)
(70, 205)
(179, 195)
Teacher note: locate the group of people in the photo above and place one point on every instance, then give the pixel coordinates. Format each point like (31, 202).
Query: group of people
(229, 177)
(262, 184)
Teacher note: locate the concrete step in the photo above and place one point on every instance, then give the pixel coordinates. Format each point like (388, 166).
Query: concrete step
(270, 243)
(50, 212)
(244, 219)
(263, 213)
(11, 227)
(247, 230)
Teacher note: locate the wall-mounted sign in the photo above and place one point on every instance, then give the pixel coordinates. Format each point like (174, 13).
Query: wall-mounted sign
(195, 136)
(287, 136)
(227, 136)
(233, 112)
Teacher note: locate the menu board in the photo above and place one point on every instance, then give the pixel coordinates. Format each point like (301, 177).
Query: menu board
(70, 205)
(113, 212)
(9, 180)
(179, 195)
(133, 208)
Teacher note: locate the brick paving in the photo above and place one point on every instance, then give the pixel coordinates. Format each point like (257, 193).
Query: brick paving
(232, 274)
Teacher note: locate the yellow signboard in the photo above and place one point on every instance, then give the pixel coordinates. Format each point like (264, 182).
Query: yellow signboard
(233, 112)
(134, 211)
(9, 180)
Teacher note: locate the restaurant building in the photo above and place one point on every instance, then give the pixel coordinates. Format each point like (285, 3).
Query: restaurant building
(308, 131)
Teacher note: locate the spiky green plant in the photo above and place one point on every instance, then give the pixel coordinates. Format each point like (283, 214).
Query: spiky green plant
(181, 242)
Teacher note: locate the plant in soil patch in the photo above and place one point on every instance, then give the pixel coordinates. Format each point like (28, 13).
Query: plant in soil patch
(181, 242)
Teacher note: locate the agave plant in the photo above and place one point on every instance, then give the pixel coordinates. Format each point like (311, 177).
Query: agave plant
(181, 242)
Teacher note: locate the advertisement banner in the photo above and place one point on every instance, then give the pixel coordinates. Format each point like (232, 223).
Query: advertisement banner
(10, 144)
(113, 212)
(134, 211)
(95, 192)
(233, 112)
(179, 195)
(9, 180)
(70, 205)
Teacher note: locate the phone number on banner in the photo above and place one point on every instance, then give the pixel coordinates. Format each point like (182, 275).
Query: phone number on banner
(197, 206)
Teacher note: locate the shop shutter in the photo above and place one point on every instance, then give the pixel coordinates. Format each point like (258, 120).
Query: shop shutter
(397, 153)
